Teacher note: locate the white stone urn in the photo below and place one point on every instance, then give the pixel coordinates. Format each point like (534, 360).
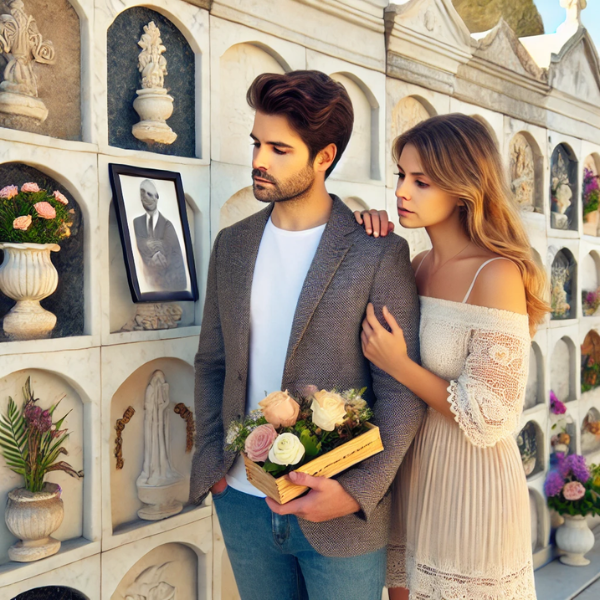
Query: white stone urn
(27, 275)
(154, 106)
(574, 538)
(33, 517)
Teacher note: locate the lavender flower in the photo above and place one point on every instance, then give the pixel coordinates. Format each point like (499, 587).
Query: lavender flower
(556, 406)
(554, 484)
(577, 466)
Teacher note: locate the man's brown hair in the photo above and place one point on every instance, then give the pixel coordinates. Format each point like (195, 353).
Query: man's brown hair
(317, 108)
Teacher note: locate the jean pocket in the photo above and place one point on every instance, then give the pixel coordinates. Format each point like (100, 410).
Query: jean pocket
(220, 495)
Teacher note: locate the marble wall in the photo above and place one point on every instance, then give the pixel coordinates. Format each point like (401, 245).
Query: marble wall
(400, 64)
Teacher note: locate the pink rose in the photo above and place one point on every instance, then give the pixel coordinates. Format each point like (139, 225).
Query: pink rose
(573, 491)
(22, 223)
(45, 210)
(30, 187)
(60, 197)
(280, 409)
(8, 192)
(259, 442)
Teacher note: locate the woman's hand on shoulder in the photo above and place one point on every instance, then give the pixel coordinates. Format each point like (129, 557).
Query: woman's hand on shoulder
(500, 285)
(375, 222)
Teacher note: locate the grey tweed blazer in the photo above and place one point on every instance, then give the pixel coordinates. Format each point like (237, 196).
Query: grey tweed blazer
(349, 270)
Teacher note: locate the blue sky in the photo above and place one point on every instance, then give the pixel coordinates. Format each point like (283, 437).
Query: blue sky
(553, 15)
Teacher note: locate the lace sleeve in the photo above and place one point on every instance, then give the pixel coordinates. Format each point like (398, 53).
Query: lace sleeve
(487, 398)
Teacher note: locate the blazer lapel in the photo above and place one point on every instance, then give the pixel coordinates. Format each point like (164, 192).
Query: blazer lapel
(332, 249)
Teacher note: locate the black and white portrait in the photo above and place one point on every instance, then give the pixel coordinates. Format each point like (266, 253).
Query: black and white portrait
(155, 233)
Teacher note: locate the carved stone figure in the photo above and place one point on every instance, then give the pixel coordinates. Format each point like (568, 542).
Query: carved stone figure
(149, 585)
(406, 114)
(560, 281)
(561, 190)
(573, 18)
(153, 104)
(22, 46)
(158, 483)
(522, 172)
(154, 316)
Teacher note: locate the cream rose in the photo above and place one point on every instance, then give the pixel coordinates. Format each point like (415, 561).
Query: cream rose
(259, 442)
(280, 409)
(287, 449)
(329, 410)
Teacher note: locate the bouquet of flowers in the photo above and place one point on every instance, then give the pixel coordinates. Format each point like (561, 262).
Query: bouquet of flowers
(34, 215)
(31, 442)
(590, 302)
(288, 433)
(573, 488)
(591, 191)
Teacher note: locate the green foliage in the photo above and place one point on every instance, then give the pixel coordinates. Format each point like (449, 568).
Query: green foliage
(588, 505)
(41, 231)
(13, 439)
(591, 202)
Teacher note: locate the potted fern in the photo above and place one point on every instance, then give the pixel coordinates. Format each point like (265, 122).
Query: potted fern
(31, 444)
(33, 222)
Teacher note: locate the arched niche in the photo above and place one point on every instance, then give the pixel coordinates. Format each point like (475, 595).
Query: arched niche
(169, 570)
(534, 392)
(563, 298)
(562, 368)
(241, 205)
(590, 432)
(131, 393)
(590, 361)
(49, 387)
(590, 194)
(58, 83)
(53, 592)
(122, 307)
(355, 203)
(408, 112)
(590, 283)
(526, 172)
(360, 161)
(563, 188)
(123, 79)
(531, 447)
(537, 507)
(239, 66)
(68, 301)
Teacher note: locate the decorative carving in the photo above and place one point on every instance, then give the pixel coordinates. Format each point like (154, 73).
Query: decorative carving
(22, 46)
(158, 483)
(561, 189)
(573, 16)
(120, 427)
(429, 20)
(153, 104)
(561, 274)
(522, 171)
(154, 316)
(185, 413)
(149, 585)
(406, 114)
(527, 443)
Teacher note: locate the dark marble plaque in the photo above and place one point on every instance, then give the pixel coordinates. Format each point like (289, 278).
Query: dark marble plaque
(67, 302)
(51, 593)
(124, 79)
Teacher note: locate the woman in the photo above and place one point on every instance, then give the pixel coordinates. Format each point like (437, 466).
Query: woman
(461, 524)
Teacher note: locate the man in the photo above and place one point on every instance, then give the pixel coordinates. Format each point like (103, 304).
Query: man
(287, 292)
(158, 245)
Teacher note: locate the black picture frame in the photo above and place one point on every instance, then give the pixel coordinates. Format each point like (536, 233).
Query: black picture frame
(143, 286)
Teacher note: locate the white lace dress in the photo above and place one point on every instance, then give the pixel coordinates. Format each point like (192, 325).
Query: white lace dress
(461, 526)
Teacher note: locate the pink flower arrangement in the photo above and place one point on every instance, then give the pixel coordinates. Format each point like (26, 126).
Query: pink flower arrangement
(60, 197)
(259, 442)
(8, 192)
(30, 187)
(45, 210)
(573, 491)
(22, 223)
(556, 406)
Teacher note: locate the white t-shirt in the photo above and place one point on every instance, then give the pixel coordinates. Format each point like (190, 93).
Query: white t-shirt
(283, 260)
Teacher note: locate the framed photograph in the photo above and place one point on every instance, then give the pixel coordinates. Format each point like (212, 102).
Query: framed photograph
(155, 234)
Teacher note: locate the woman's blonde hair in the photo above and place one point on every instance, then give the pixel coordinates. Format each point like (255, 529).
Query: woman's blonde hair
(460, 156)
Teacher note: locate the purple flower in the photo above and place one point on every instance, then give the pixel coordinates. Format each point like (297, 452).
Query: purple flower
(554, 484)
(576, 464)
(556, 406)
(32, 413)
(45, 421)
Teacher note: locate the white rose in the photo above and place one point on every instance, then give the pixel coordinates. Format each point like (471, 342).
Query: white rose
(329, 410)
(287, 449)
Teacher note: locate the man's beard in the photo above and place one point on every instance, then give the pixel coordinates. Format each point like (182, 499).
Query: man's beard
(294, 188)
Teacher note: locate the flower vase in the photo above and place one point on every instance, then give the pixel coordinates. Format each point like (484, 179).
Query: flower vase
(27, 275)
(590, 223)
(33, 517)
(574, 538)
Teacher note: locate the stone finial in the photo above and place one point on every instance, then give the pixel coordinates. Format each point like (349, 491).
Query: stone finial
(152, 64)
(573, 19)
(22, 46)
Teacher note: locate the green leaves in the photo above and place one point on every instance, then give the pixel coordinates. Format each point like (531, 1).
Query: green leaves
(275, 469)
(13, 439)
(312, 445)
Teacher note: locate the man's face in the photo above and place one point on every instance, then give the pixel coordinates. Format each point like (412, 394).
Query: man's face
(148, 196)
(281, 169)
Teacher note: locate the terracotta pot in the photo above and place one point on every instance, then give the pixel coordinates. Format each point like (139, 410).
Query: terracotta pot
(27, 275)
(590, 223)
(33, 517)
(574, 538)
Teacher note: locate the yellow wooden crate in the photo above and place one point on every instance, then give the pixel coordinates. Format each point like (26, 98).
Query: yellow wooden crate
(337, 460)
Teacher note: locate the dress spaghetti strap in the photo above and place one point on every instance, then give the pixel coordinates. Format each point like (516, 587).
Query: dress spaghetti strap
(422, 261)
(487, 262)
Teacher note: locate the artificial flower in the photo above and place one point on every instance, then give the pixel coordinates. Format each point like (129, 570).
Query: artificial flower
(22, 223)
(45, 210)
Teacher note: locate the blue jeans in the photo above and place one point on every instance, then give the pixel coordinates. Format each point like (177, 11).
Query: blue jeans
(272, 560)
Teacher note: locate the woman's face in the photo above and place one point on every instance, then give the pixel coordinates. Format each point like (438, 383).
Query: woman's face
(420, 202)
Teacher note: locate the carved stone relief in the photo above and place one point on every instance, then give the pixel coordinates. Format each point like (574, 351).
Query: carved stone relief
(151, 585)
(563, 183)
(522, 172)
(154, 316)
(406, 114)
